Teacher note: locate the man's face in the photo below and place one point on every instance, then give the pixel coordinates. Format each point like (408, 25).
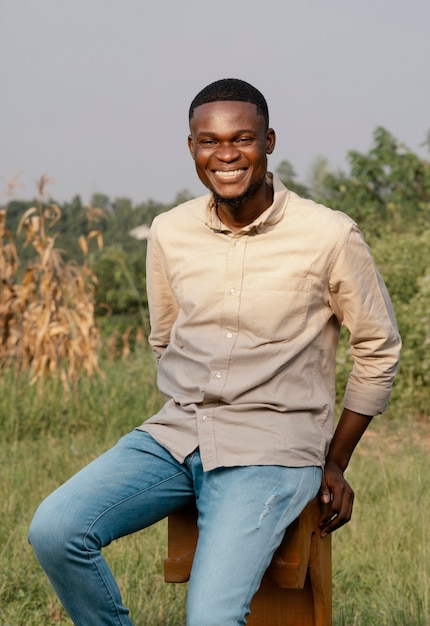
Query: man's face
(229, 144)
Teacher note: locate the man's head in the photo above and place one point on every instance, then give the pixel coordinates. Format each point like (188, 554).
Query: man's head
(231, 89)
(229, 141)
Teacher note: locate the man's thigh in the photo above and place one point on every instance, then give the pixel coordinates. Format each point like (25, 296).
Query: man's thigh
(129, 487)
(243, 514)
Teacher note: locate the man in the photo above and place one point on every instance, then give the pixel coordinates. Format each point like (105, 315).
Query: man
(248, 288)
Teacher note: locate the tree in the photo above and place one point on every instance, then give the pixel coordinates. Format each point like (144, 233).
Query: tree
(317, 176)
(386, 188)
(288, 176)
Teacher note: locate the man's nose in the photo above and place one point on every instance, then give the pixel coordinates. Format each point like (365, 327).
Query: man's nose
(227, 152)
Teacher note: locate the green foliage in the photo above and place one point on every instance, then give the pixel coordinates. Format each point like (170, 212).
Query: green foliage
(123, 217)
(403, 259)
(319, 172)
(386, 189)
(288, 176)
(405, 264)
(121, 279)
(413, 382)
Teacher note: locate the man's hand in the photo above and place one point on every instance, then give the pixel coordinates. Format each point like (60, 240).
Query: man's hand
(337, 498)
(335, 493)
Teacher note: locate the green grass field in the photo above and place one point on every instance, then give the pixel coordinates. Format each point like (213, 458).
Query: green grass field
(381, 560)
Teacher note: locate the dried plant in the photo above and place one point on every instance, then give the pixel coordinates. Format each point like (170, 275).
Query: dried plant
(47, 324)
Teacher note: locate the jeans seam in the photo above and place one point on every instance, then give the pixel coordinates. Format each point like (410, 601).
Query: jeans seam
(113, 506)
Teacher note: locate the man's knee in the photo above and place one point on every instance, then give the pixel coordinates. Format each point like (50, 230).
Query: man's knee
(49, 532)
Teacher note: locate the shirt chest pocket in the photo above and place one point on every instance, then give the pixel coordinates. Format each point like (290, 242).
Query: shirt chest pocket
(280, 307)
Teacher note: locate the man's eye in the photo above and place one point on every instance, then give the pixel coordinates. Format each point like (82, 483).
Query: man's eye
(207, 142)
(244, 140)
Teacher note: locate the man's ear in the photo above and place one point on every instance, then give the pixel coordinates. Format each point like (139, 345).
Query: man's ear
(270, 140)
(191, 145)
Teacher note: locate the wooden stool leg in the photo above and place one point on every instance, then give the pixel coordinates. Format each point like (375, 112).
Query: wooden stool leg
(181, 541)
(320, 570)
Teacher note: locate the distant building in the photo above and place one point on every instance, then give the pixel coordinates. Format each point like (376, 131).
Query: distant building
(140, 232)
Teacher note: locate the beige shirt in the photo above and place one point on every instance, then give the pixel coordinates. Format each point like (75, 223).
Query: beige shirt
(245, 326)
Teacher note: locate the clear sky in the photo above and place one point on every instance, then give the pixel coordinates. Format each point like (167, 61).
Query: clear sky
(95, 93)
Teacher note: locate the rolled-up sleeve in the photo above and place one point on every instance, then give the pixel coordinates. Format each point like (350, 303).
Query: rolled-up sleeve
(360, 301)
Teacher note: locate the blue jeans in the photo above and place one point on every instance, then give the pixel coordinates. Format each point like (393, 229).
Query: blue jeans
(243, 513)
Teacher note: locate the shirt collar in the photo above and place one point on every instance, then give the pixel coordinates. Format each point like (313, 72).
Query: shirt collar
(271, 216)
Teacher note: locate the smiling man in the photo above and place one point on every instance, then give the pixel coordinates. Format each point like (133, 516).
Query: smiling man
(247, 288)
(230, 147)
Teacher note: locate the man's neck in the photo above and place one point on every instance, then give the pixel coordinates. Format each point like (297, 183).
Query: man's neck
(238, 216)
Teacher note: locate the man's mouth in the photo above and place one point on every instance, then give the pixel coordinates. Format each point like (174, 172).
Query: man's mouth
(227, 174)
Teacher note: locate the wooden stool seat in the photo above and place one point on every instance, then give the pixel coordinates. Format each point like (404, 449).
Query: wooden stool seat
(296, 588)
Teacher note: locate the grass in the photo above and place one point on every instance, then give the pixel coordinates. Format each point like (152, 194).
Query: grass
(381, 564)
(381, 561)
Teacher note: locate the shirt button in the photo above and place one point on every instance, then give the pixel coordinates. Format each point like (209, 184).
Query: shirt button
(218, 375)
(232, 292)
(237, 243)
(204, 418)
(229, 335)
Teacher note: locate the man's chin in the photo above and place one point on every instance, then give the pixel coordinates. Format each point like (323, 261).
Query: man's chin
(236, 201)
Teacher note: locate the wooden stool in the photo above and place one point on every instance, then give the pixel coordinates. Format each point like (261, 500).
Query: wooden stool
(296, 588)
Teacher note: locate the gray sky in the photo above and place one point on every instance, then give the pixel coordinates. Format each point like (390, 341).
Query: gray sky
(95, 93)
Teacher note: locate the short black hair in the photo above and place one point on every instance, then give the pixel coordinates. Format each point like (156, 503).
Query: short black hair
(231, 89)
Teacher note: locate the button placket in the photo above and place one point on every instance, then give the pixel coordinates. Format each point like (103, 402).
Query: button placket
(230, 315)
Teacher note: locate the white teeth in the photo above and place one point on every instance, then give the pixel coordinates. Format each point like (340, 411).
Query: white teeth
(228, 174)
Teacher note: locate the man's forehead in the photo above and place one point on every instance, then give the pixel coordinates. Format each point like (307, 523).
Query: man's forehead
(226, 109)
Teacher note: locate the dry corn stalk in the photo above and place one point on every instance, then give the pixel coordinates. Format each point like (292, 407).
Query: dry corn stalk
(47, 322)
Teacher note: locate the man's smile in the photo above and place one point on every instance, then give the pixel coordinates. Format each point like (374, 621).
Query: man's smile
(229, 175)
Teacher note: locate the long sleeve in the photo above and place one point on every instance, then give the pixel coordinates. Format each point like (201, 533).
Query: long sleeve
(163, 308)
(361, 303)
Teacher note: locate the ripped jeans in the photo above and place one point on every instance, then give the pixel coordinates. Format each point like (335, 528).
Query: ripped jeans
(243, 513)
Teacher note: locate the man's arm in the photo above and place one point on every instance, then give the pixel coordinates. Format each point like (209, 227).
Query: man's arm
(335, 492)
(360, 301)
(163, 308)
